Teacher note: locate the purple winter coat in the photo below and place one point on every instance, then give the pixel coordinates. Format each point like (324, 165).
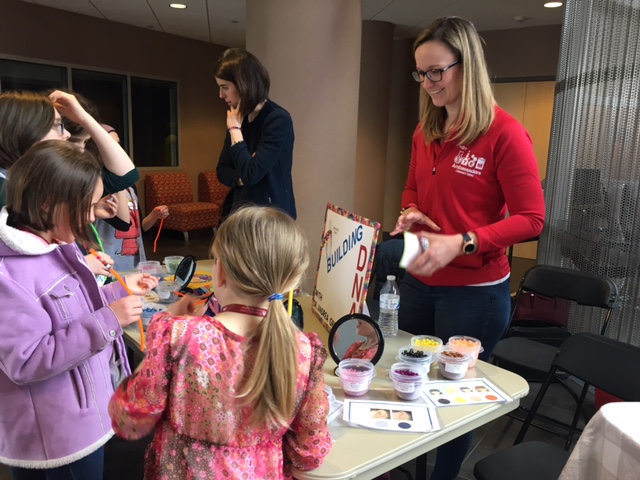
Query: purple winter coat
(59, 342)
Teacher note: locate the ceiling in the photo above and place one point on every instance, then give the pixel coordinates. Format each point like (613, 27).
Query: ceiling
(223, 21)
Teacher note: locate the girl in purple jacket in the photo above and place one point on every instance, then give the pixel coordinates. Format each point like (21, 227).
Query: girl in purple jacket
(61, 348)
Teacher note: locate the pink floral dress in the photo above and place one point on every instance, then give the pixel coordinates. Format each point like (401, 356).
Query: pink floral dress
(186, 389)
(354, 351)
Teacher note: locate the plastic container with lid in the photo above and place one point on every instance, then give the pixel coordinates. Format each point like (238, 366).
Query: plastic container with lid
(427, 343)
(414, 356)
(469, 345)
(151, 267)
(408, 379)
(453, 365)
(355, 376)
(167, 291)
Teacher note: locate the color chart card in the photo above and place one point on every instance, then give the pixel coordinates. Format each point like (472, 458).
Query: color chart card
(392, 416)
(463, 392)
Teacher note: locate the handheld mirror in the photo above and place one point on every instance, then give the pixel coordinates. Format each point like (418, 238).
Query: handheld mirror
(185, 271)
(356, 336)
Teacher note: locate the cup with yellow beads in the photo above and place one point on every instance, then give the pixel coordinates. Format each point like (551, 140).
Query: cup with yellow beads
(427, 343)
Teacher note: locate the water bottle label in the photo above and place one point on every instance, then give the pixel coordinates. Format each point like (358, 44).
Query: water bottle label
(389, 301)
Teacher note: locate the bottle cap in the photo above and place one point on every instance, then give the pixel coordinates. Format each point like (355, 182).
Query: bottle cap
(391, 277)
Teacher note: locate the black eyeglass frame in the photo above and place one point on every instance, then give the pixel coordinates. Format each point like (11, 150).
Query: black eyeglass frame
(418, 75)
(59, 126)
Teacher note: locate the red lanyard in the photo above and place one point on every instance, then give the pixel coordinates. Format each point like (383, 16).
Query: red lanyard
(245, 309)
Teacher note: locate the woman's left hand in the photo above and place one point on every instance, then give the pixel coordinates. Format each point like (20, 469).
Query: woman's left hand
(141, 283)
(442, 250)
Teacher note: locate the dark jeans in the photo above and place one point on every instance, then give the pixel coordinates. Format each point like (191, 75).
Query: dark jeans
(480, 312)
(88, 468)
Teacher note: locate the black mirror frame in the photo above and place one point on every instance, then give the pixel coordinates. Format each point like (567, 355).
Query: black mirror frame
(192, 271)
(356, 316)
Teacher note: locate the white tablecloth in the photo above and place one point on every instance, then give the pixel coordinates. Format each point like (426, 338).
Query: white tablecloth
(609, 447)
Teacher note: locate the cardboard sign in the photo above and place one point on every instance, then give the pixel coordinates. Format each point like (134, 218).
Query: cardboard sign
(344, 268)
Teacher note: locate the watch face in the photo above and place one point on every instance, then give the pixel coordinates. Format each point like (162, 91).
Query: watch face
(469, 248)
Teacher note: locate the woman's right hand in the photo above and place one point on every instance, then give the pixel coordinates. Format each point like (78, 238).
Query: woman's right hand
(127, 309)
(409, 217)
(234, 119)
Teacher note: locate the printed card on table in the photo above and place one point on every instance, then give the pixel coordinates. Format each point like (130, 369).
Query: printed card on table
(472, 391)
(392, 416)
(347, 250)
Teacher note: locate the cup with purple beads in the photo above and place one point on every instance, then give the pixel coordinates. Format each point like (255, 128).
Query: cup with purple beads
(408, 379)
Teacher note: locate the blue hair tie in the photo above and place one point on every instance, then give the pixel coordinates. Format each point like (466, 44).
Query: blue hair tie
(275, 296)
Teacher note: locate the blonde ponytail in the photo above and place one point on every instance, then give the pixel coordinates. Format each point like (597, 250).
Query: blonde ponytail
(263, 251)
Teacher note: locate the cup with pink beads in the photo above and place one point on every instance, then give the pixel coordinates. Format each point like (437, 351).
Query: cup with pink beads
(355, 376)
(408, 379)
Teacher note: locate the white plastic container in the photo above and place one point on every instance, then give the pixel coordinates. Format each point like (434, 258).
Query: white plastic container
(468, 345)
(355, 376)
(413, 356)
(408, 380)
(453, 365)
(427, 343)
(167, 291)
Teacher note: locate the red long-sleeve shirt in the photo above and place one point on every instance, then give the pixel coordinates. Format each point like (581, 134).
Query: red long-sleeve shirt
(470, 188)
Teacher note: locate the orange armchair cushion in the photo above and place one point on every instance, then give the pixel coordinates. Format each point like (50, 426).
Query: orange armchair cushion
(210, 189)
(174, 190)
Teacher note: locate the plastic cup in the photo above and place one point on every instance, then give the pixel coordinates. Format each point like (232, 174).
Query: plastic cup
(414, 356)
(151, 267)
(468, 345)
(355, 376)
(166, 291)
(408, 380)
(172, 262)
(427, 343)
(453, 365)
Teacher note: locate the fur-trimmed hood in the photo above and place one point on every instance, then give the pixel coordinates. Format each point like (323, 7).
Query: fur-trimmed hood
(17, 242)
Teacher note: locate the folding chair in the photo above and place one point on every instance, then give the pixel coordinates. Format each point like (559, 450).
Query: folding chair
(528, 356)
(596, 360)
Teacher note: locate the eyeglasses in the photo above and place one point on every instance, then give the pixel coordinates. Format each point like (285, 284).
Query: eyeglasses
(60, 126)
(435, 74)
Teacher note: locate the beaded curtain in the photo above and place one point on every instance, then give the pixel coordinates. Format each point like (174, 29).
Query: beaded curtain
(592, 188)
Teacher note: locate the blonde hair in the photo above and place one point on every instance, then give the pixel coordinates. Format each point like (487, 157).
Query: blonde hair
(263, 251)
(477, 102)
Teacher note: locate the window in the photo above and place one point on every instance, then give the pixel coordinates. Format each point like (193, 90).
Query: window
(145, 108)
(108, 92)
(16, 75)
(154, 113)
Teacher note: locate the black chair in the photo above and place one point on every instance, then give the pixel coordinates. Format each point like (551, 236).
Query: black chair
(596, 360)
(529, 351)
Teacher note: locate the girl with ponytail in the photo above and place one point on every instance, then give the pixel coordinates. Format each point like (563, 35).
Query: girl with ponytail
(241, 393)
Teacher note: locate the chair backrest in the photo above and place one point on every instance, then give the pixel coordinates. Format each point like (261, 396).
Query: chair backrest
(166, 189)
(607, 364)
(210, 189)
(583, 288)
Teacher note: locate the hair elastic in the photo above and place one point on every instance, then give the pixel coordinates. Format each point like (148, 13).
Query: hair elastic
(275, 296)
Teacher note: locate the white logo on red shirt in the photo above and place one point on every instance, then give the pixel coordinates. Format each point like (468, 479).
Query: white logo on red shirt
(467, 163)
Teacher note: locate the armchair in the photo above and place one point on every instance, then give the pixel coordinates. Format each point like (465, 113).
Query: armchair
(185, 214)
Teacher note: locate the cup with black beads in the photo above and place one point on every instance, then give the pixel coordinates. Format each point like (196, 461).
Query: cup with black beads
(415, 356)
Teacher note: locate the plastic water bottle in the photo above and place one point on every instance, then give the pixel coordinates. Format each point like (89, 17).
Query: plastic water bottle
(389, 306)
